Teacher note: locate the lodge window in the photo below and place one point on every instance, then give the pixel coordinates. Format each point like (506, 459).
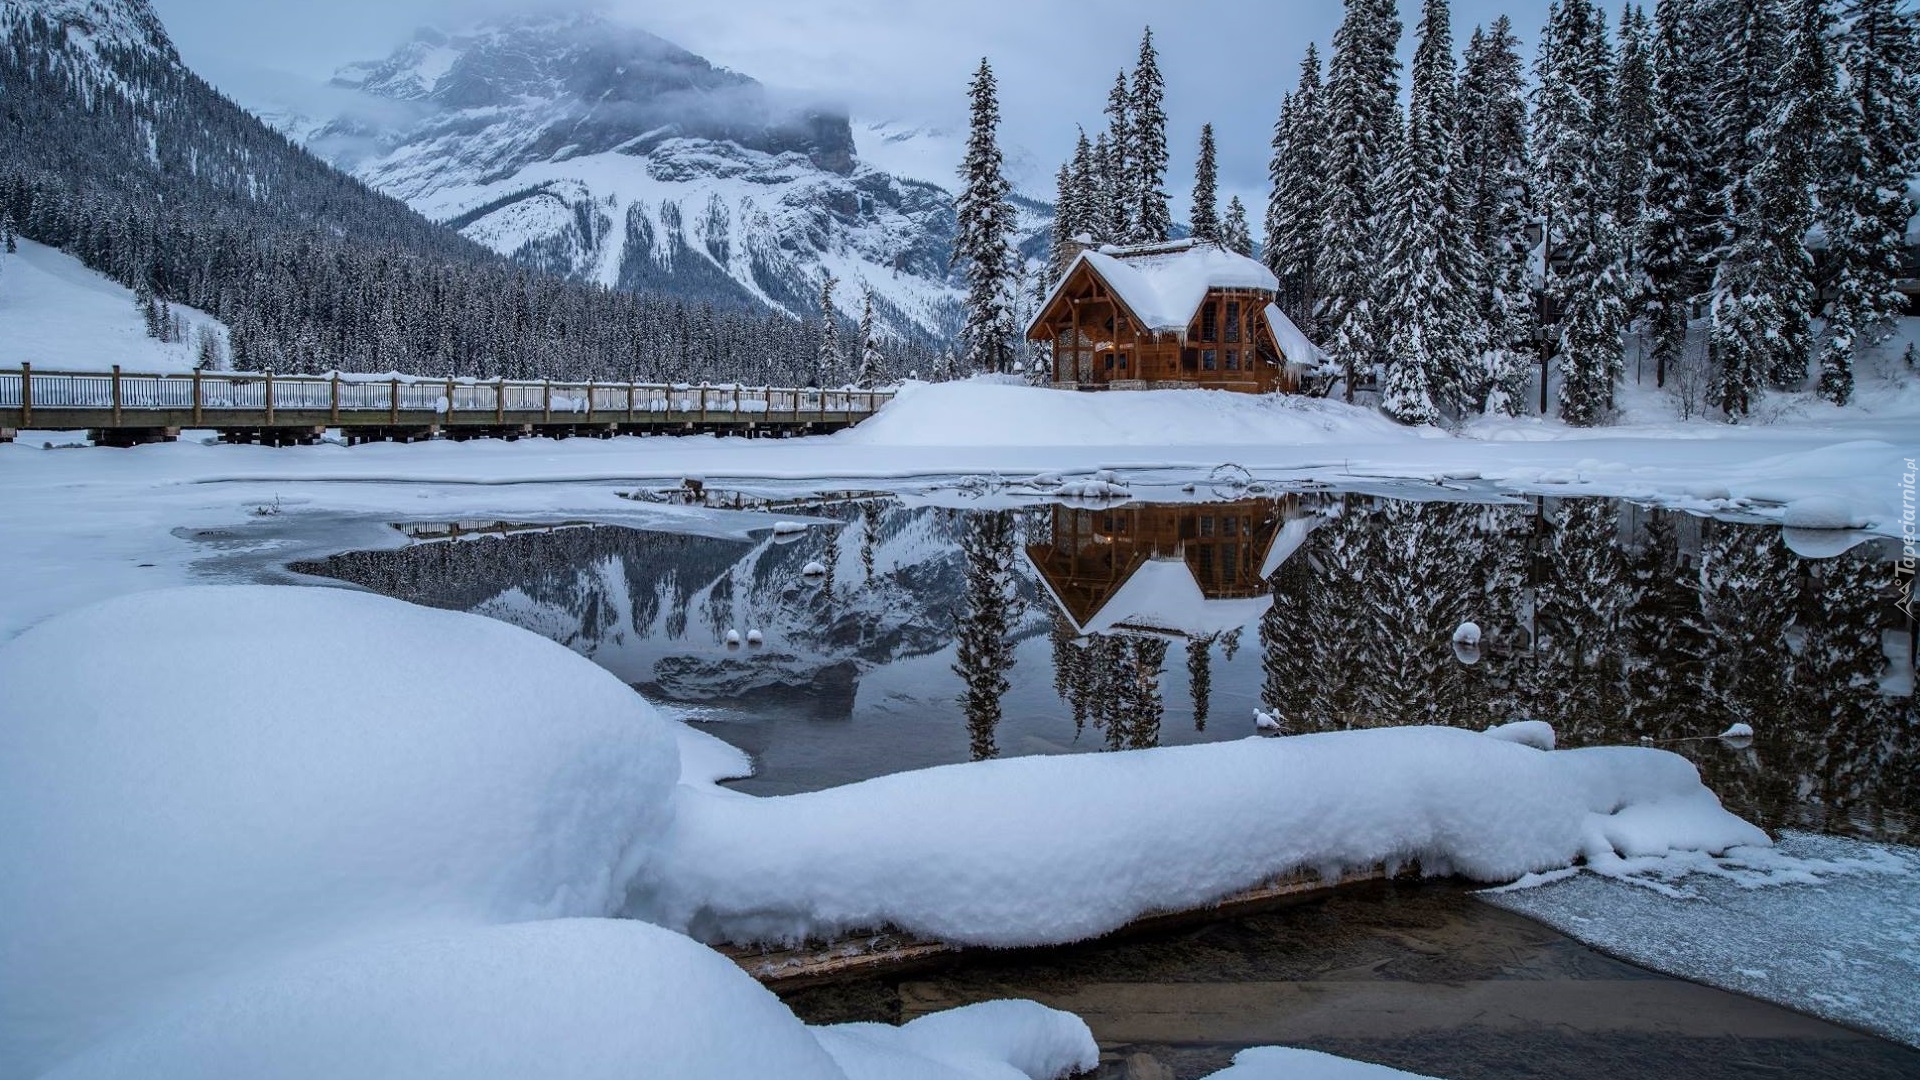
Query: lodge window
(1210, 321)
(1233, 320)
(1209, 360)
(1123, 361)
(1206, 564)
(1206, 526)
(1233, 359)
(1231, 553)
(1230, 526)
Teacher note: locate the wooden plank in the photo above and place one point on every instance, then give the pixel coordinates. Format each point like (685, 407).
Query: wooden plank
(859, 955)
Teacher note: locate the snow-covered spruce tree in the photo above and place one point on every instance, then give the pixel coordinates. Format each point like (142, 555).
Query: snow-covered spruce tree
(1360, 115)
(1205, 215)
(826, 365)
(1498, 188)
(1149, 219)
(1435, 334)
(981, 237)
(1764, 290)
(1682, 229)
(1116, 165)
(1573, 153)
(873, 360)
(1863, 195)
(1076, 208)
(7, 233)
(1234, 235)
(1632, 119)
(1293, 224)
(1104, 219)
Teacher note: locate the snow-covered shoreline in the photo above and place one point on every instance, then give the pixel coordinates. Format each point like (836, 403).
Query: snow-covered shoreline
(84, 524)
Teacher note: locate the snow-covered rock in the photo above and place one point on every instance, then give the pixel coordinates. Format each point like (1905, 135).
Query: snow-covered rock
(1288, 1063)
(1467, 633)
(814, 569)
(1535, 733)
(1821, 512)
(733, 637)
(194, 777)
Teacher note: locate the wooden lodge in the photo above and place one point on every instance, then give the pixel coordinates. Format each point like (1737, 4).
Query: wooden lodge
(1181, 314)
(1191, 570)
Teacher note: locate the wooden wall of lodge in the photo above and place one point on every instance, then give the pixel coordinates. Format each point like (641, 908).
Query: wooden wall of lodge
(1095, 550)
(1230, 328)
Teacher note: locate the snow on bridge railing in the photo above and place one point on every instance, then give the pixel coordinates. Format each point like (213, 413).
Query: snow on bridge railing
(359, 396)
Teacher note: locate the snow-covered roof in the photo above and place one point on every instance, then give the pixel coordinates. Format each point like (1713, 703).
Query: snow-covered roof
(1294, 344)
(1164, 284)
(1162, 595)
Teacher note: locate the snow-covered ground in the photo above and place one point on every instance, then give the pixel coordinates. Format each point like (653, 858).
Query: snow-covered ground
(58, 315)
(1819, 923)
(260, 831)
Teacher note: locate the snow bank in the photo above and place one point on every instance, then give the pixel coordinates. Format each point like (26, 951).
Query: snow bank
(976, 413)
(1821, 512)
(1043, 850)
(572, 999)
(191, 777)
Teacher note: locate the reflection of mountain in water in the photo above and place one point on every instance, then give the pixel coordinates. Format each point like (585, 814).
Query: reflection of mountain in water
(931, 633)
(655, 608)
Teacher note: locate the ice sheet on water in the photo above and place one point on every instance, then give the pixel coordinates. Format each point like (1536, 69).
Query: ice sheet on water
(1818, 923)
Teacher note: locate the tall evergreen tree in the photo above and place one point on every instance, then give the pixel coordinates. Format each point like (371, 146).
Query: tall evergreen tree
(1435, 334)
(827, 364)
(1681, 230)
(1205, 215)
(1148, 218)
(1573, 144)
(1632, 118)
(1106, 218)
(1116, 164)
(983, 228)
(1295, 203)
(1498, 185)
(873, 360)
(983, 648)
(1864, 195)
(1234, 235)
(1360, 116)
(1764, 292)
(7, 233)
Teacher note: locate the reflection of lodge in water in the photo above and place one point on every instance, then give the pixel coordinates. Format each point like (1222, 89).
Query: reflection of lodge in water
(1192, 571)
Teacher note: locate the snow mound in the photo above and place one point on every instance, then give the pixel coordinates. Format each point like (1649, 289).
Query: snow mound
(1467, 633)
(1535, 733)
(953, 853)
(992, 1038)
(976, 413)
(198, 776)
(1821, 512)
(1286, 1063)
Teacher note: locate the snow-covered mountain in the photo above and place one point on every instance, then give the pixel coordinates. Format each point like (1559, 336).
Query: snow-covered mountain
(602, 152)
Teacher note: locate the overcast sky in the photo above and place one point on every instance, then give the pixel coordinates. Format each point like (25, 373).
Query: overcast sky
(1225, 61)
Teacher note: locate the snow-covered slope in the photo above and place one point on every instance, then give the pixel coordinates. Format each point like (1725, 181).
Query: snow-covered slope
(602, 152)
(57, 314)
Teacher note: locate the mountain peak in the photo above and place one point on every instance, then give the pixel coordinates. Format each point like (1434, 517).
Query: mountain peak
(127, 24)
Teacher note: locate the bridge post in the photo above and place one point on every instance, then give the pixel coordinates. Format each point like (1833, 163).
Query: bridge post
(26, 395)
(629, 401)
(197, 399)
(546, 400)
(589, 401)
(393, 401)
(500, 401)
(269, 396)
(116, 395)
(449, 401)
(333, 401)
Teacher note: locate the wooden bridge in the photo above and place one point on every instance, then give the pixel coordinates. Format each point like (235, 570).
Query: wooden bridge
(120, 408)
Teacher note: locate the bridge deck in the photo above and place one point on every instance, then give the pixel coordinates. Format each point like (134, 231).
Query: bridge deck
(125, 407)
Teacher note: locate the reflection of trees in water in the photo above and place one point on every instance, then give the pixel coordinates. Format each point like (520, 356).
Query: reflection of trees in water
(1200, 679)
(983, 648)
(1112, 681)
(1614, 626)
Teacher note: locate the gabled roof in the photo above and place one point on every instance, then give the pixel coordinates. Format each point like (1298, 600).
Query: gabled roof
(1293, 343)
(1163, 285)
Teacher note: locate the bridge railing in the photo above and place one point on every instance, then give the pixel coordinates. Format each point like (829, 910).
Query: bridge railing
(360, 397)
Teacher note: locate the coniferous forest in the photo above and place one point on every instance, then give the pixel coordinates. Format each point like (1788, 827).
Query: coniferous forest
(1720, 188)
